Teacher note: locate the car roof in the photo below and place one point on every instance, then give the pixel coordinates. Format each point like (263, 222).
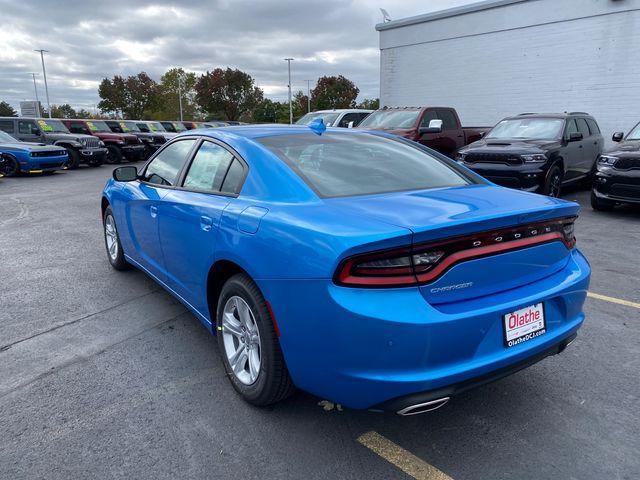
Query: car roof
(342, 110)
(266, 130)
(549, 115)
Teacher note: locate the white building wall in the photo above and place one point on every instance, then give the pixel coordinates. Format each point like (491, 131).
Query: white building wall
(528, 56)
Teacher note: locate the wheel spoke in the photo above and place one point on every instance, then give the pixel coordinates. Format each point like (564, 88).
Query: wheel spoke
(112, 248)
(240, 362)
(245, 315)
(254, 363)
(229, 326)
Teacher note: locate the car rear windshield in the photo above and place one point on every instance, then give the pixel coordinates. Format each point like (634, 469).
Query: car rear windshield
(336, 164)
(527, 128)
(328, 118)
(391, 119)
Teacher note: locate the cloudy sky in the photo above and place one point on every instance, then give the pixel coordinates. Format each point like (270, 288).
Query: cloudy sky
(91, 40)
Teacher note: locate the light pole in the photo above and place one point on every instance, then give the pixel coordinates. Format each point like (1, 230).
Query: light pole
(308, 95)
(180, 94)
(44, 74)
(288, 60)
(35, 89)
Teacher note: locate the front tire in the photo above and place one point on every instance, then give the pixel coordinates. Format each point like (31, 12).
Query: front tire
(601, 204)
(249, 345)
(114, 155)
(9, 167)
(553, 182)
(74, 160)
(115, 254)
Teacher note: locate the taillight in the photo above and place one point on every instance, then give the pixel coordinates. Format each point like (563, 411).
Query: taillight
(425, 262)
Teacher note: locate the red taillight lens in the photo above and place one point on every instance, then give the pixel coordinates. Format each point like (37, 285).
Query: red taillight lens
(424, 263)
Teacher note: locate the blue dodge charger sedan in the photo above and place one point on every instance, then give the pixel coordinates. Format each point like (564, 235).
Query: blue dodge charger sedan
(358, 266)
(24, 157)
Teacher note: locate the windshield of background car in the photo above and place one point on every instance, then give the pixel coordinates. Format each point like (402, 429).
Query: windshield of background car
(52, 126)
(98, 126)
(327, 118)
(634, 134)
(156, 127)
(528, 129)
(178, 127)
(6, 138)
(129, 127)
(336, 165)
(391, 119)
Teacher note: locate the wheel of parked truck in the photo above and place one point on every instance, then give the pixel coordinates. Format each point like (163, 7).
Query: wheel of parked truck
(115, 254)
(9, 166)
(114, 155)
(600, 204)
(249, 345)
(553, 182)
(74, 160)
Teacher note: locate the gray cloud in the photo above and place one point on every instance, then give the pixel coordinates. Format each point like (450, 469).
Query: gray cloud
(92, 40)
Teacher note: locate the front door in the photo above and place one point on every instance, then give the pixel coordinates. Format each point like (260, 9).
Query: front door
(189, 222)
(573, 154)
(28, 131)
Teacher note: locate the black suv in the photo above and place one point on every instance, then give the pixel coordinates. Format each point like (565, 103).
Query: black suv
(617, 175)
(152, 141)
(537, 152)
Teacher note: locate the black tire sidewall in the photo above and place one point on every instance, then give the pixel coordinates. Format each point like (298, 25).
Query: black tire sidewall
(555, 169)
(120, 263)
(74, 159)
(114, 155)
(245, 288)
(10, 159)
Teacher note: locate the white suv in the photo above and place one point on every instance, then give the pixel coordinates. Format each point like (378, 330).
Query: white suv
(346, 117)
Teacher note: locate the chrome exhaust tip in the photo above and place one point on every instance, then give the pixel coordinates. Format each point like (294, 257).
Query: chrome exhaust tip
(423, 407)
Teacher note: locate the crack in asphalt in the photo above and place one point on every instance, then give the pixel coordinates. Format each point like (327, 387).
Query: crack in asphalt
(6, 347)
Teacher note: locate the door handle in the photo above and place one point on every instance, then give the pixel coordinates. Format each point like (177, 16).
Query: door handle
(154, 211)
(206, 223)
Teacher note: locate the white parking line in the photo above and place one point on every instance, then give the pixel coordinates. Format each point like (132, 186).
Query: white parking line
(613, 300)
(398, 456)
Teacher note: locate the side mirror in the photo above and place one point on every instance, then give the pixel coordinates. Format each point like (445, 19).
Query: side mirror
(125, 174)
(575, 136)
(435, 126)
(617, 137)
(482, 134)
(350, 124)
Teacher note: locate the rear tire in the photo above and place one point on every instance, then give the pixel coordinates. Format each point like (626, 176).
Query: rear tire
(600, 204)
(74, 160)
(114, 155)
(553, 182)
(115, 254)
(241, 333)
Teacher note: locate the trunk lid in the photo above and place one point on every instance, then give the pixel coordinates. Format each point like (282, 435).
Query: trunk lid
(438, 214)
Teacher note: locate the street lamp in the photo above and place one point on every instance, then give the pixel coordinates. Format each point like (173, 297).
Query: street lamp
(180, 88)
(44, 74)
(308, 95)
(35, 89)
(288, 60)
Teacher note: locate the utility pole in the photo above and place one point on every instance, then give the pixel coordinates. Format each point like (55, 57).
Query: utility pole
(35, 89)
(308, 95)
(44, 74)
(180, 94)
(288, 60)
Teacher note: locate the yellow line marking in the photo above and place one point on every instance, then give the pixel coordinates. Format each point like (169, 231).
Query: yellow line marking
(613, 300)
(398, 456)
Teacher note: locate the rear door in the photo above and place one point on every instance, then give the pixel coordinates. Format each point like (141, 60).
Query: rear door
(573, 153)
(28, 131)
(589, 144)
(190, 216)
(142, 210)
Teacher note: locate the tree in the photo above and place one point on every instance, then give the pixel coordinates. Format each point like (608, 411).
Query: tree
(268, 111)
(82, 113)
(370, 104)
(334, 92)
(63, 111)
(300, 104)
(228, 93)
(168, 104)
(7, 110)
(113, 94)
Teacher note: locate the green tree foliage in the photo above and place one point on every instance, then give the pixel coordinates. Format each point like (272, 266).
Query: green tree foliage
(334, 92)
(7, 110)
(133, 97)
(63, 111)
(227, 94)
(268, 111)
(168, 104)
(299, 104)
(370, 104)
(113, 95)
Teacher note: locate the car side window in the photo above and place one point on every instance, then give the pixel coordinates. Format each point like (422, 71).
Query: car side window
(348, 117)
(165, 167)
(208, 168)
(76, 127)
(428, 116)
(143, 127)
(593, 126)
(571, 128)
(233, 180)
(449, 121)
(7, 126)
(583, 127)
(27, 127)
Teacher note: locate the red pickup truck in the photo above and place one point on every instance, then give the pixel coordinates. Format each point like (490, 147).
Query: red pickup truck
(435, 127)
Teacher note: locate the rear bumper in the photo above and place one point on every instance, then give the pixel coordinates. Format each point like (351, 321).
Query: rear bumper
(524, 177)
(374, 348)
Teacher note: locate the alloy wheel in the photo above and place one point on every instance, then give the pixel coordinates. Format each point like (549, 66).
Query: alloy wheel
(554, 186)
(241, 340)
(111, 236)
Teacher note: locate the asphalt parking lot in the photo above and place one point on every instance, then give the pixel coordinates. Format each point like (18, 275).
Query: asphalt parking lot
(104, 375)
